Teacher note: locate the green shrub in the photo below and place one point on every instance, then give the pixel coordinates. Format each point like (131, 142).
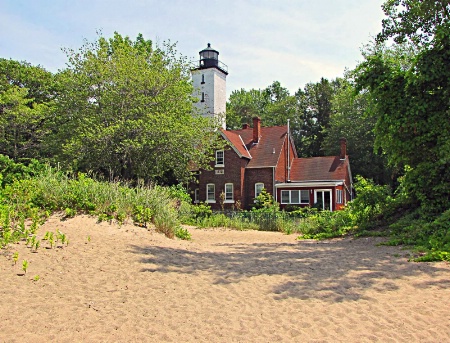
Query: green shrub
(182, 233)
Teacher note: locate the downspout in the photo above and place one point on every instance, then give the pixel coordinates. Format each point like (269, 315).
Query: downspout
(289, 154)
(274, 190)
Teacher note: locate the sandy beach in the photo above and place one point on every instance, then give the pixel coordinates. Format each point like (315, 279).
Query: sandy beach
(131, 284)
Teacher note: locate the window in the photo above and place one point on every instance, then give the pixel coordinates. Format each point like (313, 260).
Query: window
(285, 197)
(210, 192)
(339, 196)
(203, 79)
(196, 193)
(304, 197)
(295, 197)
(258, 188)
(203, 96)
(219, 158)
(229, 194)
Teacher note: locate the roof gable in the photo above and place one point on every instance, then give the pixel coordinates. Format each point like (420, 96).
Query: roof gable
(266, 152)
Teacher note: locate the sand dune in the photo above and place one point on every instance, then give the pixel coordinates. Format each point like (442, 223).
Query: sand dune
(131, 284)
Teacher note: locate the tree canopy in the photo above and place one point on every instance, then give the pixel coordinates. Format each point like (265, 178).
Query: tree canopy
(126, 111)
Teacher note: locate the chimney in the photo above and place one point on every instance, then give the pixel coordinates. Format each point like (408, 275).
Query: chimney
(244, 126)
(256, 129)
(343, 143)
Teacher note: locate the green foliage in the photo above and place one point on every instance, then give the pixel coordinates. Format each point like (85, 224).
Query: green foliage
(125, 110)
(26, 103)
(182, 233)
(24, 266)
(413, 20)
(265, 202)
(350, 118)
(412, 111)
(15, 257)
(142, 215)
(371, 202)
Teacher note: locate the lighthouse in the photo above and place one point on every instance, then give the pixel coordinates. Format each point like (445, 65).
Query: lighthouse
(209, 81)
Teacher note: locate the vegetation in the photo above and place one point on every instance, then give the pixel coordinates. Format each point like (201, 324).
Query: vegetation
(122, 112)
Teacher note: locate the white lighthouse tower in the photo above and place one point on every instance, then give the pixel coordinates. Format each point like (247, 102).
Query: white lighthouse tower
(209, 81)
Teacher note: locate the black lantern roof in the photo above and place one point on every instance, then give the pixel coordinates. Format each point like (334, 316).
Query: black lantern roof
(209, 58)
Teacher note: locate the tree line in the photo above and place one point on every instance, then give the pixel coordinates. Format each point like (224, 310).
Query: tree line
(123, 108)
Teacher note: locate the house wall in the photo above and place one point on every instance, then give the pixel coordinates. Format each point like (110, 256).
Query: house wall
(233, 171)
(257, 175)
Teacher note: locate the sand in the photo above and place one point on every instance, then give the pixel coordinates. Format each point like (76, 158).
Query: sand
(130, 284)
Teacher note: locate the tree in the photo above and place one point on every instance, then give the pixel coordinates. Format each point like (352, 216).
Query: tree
(412, 108)
(351, 118)
(413, 20)
(274, 105)
(27, 96)
(242, 106)
(314, 111)
(126, 111)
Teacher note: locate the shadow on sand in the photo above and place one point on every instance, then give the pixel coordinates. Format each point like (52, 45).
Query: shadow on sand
(335, 270)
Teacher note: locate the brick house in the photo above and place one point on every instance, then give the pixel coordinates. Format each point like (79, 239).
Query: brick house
(265, 157)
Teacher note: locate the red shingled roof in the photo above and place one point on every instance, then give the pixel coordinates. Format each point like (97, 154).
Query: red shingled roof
(319, 169)
(261, 154)
(237, 143)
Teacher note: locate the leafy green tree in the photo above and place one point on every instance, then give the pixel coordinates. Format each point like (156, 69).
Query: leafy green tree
(351, 118)
(412, 108)
(414, 20)
(126, 111)
(242, 106)
(26, 102)
(314, 111)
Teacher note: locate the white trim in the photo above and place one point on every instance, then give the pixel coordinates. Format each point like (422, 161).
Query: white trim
(207, 193)
(339, 196)
(310, 184)
(232, 192)
(223, 158)
(196, 195)
(245, 146)
(290, 196)
(324, 190)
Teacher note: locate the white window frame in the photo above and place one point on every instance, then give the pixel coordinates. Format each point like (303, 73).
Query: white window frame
(289, 196)
(211, 200)
(196, 196)
(330, 191)
(339, 196)
(217, 158)
(256, 188)
(229, 195)
(307, 193)
(290, 201)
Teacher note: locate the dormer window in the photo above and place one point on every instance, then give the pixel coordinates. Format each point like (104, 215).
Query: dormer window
(220, 158)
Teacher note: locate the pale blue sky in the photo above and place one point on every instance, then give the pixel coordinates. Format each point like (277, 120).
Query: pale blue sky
(294, 42)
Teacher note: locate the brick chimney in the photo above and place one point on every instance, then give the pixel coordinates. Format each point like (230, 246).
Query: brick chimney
(343, 143)
(244, 126)
(256, 129)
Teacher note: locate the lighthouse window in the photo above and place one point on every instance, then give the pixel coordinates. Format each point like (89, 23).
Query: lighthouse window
(203, 96)
(203, 78)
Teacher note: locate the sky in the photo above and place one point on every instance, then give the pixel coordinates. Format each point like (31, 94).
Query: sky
(292, 41)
